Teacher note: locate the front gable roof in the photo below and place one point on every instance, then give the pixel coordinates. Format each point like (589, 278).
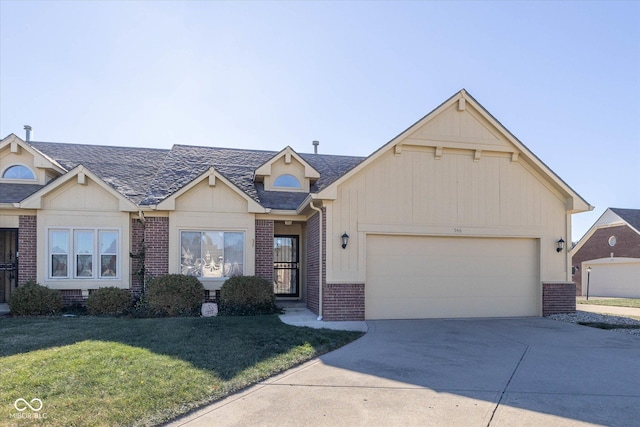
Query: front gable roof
(612, 217)
(288, 153)
(34, 201)
(40, 159)
(212, 175)
(484, 132)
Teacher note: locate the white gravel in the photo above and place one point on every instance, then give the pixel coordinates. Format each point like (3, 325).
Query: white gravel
(583, 316)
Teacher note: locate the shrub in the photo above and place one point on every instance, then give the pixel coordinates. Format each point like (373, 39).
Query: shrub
(32, 298)
(110, 300)
(174, 295)
(246, 296)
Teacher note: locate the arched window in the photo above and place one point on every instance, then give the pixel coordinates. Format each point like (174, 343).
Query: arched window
(18, 172)
(287, 181)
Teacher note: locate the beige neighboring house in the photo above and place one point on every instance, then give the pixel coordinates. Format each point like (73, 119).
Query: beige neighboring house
(611, 250)
(454, 217)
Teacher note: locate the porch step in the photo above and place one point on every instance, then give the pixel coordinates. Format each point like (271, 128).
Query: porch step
(290, 304)
(4, 309)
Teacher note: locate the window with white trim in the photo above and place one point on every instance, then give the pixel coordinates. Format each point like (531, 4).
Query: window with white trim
(212, 254)
(81, 253)
(287, 181)
(18, 172)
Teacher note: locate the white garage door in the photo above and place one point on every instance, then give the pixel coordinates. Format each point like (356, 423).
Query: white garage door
(613, 279)
(411, 277)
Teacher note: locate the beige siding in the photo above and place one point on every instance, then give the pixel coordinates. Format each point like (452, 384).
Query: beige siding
(74, 197)
(452, 191)
(82, 206)
(205, 198)
(215, 208)
(7, 158)
(279, 167)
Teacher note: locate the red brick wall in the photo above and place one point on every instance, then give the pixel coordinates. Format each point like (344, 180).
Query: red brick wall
(27, 248)
(264, 249)
(558, 298)
(343, 301)
(72, 296)
(627, 246)
(137, 246)
(313, 247)
(156, 240)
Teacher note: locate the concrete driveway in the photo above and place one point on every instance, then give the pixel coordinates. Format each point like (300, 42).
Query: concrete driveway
(481, 372)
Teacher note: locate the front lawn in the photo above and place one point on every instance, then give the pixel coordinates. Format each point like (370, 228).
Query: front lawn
(617, 302)
(122, 371)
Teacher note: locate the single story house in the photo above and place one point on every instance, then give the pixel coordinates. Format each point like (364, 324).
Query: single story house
(454, 217)
(610, 249)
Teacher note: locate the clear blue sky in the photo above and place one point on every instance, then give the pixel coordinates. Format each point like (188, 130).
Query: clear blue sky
(563, 77)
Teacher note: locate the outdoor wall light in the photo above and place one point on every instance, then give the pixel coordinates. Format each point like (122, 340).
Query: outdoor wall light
(345, 240)
(560, 245)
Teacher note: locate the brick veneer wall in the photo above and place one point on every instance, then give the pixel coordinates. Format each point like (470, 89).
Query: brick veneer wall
(313, 247)
(627, 245)
(343, 301)
(558, 297)
(264, 249)
(137, 247)
(72, 296)
(156, 241)
(27, 248)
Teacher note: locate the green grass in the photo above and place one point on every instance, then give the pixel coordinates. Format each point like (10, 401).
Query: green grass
(617, 302)
(93, 371)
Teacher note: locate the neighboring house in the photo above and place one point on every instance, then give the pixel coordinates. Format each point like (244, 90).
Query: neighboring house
(611, 248)
(454, 217)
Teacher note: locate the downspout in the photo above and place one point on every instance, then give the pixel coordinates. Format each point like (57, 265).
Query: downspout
(319, 210)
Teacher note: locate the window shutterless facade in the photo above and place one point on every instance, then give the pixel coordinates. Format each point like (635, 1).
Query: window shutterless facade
(212, 254)
(83, 253)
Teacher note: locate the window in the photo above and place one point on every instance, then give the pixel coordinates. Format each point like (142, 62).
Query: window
(18, 172)
(212, 254)
(287, 181)
(90, 248)
(612, 241)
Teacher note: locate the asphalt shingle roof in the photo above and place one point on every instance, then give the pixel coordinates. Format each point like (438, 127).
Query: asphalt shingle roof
(13, 193)
(631, 216)
(147, 176)
(129, 170)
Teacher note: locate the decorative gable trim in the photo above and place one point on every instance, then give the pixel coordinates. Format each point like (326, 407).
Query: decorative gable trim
(212, 176)
(40, 160)
(463, 102)
(288, 153)
(80, 174)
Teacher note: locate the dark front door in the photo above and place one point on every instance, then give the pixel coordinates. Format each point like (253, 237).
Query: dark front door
(8, 262)
(286, 266)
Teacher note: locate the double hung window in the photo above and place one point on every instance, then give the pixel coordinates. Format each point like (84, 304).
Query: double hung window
(83, 253)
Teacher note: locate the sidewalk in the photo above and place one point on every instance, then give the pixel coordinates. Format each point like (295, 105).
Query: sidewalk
(302, 316)
(607, 309)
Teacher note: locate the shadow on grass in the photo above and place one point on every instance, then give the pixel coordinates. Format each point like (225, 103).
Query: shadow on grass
(222, 345)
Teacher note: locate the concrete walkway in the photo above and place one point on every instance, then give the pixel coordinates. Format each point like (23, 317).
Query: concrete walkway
(606, 309)
(299, 316)
(476, 372)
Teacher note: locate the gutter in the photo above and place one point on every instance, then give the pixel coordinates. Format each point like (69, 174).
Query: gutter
(319, 210)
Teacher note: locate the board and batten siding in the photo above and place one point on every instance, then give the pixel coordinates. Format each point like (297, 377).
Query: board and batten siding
(474, 185)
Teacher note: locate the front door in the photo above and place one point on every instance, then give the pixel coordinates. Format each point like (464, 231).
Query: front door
(286, 266)
(8, 262)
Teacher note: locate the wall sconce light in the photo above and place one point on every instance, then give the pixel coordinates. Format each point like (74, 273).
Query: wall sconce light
(345, 240)
(560, 245)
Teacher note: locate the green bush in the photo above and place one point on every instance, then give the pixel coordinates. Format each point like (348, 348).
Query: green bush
(110, 300)
(32, 299)
(175, 295)
(247, 296)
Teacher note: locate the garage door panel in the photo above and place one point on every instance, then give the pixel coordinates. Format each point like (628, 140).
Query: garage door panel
(420, 277)
(619, 279)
